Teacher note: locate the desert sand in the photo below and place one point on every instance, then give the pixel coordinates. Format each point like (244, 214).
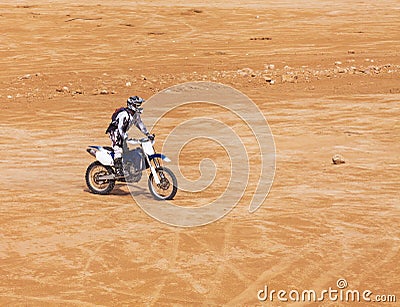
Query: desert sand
(325, 74)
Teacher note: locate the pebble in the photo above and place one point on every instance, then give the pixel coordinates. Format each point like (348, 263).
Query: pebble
(64, 89)
(103, 92)
(25, 77)
(338, 159)
(10, 97)
(289, 78)
(128, 84)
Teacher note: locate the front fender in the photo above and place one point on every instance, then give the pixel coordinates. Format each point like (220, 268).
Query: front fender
(161, 156)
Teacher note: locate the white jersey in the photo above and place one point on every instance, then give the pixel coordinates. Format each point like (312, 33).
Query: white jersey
(122, 120)
(125, 120)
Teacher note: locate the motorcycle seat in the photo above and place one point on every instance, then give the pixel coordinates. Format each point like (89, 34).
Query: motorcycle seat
(108, 148)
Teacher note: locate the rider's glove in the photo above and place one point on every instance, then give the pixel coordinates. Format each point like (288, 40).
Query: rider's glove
(150, 136)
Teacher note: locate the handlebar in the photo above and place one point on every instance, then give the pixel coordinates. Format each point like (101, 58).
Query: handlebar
(137, 141)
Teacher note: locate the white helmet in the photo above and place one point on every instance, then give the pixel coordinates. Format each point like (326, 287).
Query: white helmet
(134, 102)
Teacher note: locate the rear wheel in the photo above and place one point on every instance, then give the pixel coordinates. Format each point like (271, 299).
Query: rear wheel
(96, 185)
(168, 184)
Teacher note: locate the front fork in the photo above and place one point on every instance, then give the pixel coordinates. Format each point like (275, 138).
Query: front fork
(153, 169)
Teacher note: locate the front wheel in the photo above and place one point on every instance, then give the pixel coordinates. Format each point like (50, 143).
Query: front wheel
(168, 184)
(93, 181)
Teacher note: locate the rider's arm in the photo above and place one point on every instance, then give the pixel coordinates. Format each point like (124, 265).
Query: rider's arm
(139, 124)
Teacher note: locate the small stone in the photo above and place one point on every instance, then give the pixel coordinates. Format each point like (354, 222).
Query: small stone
(338, 159)
(10, 97)
(351, 52)
(103, 92)
(77, 92)
(338, 63)
(289, 78)
(25, 77)
(64, 89)
(128, 84)
(272, 82)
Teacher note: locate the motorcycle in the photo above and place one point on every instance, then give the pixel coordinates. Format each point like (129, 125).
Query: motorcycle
(101, 174)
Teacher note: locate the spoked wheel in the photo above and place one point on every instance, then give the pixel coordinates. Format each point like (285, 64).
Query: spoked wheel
(93, 181)
(168, 184)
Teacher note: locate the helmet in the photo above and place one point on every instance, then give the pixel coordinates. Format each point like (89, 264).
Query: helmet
(134, 103)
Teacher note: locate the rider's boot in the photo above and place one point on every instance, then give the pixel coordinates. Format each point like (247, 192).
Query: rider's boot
(119, 171)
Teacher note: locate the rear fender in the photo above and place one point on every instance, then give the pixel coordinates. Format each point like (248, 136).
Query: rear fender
(104, 156)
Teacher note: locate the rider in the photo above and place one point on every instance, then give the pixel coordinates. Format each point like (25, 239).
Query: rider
(121, 121)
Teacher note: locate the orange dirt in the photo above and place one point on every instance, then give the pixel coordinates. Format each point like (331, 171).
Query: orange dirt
(335, 68)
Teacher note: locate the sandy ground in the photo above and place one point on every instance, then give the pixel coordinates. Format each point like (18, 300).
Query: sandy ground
(335, 67)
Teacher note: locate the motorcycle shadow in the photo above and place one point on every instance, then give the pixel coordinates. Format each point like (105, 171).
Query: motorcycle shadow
(122, 190)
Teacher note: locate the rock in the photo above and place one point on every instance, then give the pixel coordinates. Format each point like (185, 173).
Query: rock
(128, 84)
(64, 89)
(245, 72)
(10, 97)
(289, 78)
(376, 69)
(25, 77)
(338, 159)
(269, 80)
(77, 92)
(351, 52)
(338, 63)
(103, 92)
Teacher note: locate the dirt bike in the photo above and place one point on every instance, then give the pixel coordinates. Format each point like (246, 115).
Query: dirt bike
(101, 174)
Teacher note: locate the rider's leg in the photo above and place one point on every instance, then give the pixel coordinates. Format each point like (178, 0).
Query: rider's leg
(118, 160)
(117, 153)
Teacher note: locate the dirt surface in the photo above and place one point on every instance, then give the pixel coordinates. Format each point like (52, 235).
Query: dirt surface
(324, 73)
